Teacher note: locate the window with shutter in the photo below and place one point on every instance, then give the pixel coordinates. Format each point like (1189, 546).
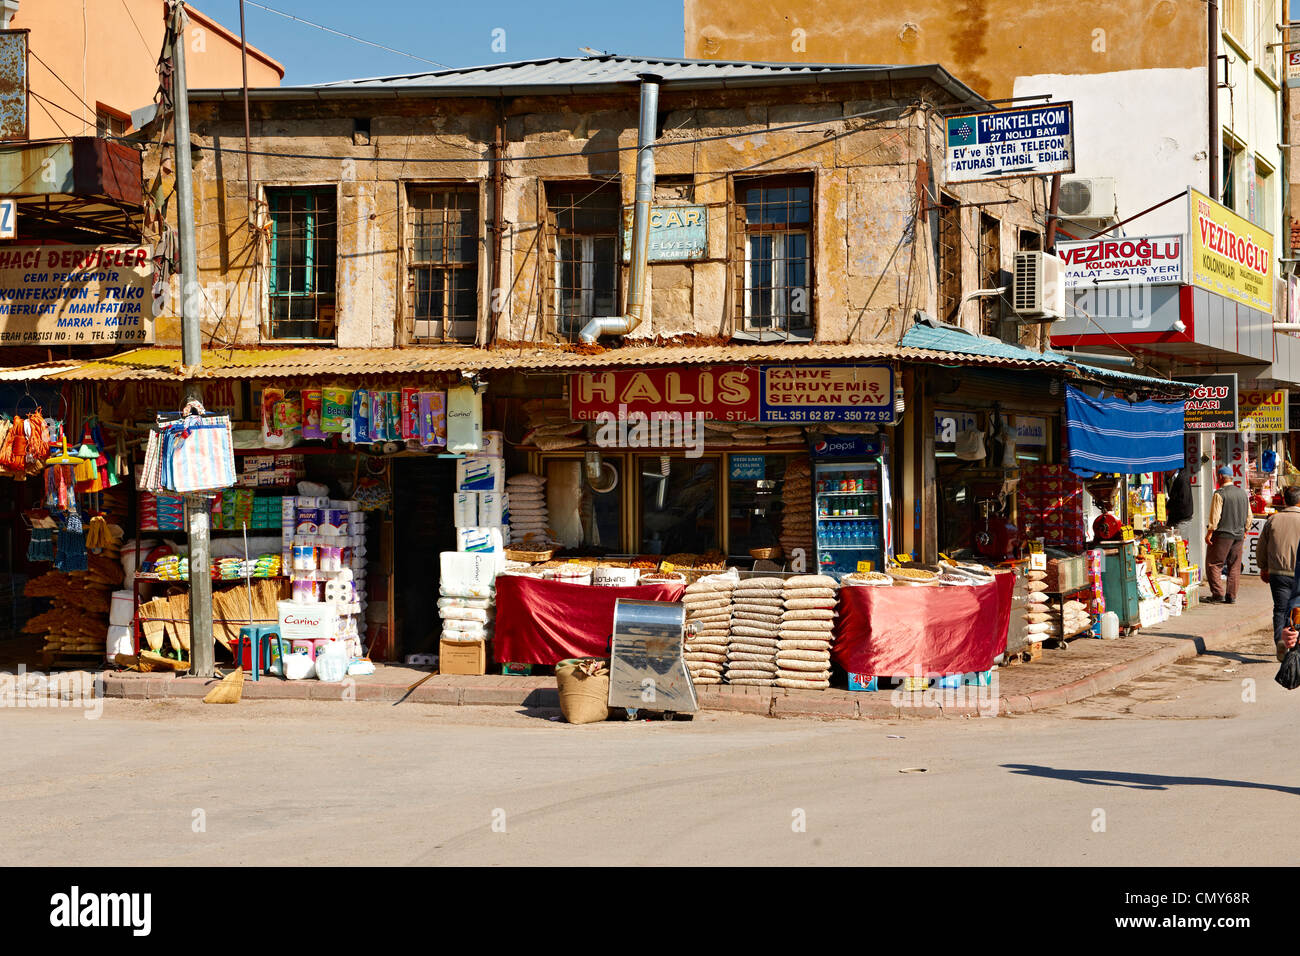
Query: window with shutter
(301, 272)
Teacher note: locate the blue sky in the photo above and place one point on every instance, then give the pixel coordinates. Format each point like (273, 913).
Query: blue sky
(457, 33)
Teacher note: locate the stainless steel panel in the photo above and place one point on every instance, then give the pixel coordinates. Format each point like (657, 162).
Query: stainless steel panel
(647, 670)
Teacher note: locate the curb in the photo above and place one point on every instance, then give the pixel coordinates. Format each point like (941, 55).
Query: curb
(766, 702)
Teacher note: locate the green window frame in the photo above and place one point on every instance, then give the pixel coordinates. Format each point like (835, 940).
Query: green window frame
(302, 267)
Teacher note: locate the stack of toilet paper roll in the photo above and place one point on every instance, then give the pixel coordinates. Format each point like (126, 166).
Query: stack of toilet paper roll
(803, 655)
(756, 606)
(529, 522)
(708, 615)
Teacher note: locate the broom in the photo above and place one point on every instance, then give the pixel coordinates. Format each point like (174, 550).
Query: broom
(228, 690)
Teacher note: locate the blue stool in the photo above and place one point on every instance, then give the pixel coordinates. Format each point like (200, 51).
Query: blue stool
(259, 638)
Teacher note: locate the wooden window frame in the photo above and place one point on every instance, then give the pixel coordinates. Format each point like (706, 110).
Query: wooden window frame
(742, 254)
(326, 304)
(556, 239)
(409, 264)
(948, 260)
(990, 269)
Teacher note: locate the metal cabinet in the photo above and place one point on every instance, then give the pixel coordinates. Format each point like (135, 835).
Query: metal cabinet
(1119, 581)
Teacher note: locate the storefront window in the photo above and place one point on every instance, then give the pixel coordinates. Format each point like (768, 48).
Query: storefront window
(584, 513)
(679, 504)
(754, 503)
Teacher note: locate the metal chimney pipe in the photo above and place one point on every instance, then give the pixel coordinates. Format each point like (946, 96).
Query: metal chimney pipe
(645, 191)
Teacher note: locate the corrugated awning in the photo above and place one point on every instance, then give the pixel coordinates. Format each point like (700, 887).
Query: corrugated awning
(312, 362)
(935, 336)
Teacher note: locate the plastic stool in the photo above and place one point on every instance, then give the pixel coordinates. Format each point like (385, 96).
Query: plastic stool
(256, 635)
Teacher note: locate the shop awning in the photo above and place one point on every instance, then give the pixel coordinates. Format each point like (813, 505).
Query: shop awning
(934, 336)
(323, 362)
(1108, 435)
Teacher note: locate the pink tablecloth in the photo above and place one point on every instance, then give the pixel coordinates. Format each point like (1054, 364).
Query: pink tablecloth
(906, 631)
(544, 622)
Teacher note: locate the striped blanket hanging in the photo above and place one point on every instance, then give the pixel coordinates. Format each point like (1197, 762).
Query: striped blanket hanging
(1108, 435)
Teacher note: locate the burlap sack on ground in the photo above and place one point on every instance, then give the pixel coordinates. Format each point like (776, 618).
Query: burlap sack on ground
(742, 630)
(801, 603)
(808, 614)
(739, 677)
(792, 684)
(802, 654)
(810, 581)
(803, 644)
(753, 645)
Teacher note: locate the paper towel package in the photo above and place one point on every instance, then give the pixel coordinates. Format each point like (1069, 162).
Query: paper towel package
(491, 509)
(464, 509)
(467, 573)
(493, 444)
(480, 539)
(464, 420)
(481, 474)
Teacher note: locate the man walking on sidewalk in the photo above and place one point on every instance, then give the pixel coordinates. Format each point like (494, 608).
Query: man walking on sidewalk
(1276, 553)
(1229, 519)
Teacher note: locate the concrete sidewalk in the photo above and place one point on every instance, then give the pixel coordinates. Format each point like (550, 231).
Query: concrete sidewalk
(1063, 675)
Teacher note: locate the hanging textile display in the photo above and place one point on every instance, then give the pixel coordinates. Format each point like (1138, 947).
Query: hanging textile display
(192, 453)
(1110, 435)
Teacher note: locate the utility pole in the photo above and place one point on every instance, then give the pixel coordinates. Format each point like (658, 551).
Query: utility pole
(197, 514)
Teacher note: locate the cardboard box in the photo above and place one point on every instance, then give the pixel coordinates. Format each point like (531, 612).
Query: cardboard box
(462, 657)
(863, 682)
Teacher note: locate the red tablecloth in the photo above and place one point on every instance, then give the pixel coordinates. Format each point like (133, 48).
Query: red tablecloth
(544, 622)
(910, 631)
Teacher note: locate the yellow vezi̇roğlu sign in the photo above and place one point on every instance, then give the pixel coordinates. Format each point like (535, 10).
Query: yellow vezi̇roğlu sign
(1231, 256)
(1262, 411)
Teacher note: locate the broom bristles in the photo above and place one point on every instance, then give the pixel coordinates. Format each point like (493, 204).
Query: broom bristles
(229, 690)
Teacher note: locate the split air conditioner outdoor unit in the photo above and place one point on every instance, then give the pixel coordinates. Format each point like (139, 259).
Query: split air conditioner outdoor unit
(1039, 291)
(1087, 199)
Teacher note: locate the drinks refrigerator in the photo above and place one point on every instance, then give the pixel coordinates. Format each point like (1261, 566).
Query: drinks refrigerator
(851, 504)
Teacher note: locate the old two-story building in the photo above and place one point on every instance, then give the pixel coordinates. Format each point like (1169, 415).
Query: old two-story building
(803, 274)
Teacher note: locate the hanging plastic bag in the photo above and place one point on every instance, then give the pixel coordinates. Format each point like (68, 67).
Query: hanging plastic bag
(202, 452)
(970, 445)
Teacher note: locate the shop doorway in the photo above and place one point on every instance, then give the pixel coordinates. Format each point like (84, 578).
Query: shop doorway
(423, 487)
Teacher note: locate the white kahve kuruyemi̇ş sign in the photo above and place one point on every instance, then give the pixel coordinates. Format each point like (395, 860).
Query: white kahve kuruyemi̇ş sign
(75, 295)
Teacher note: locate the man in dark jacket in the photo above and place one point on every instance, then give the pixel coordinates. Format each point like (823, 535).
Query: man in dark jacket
(1229, 519)
(1178, 506)
(1276, 553)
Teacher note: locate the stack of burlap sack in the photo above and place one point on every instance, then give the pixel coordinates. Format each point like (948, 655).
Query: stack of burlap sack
(708, 614)
(756, 608)
(803, 655)
(529, 520)
(797, 511)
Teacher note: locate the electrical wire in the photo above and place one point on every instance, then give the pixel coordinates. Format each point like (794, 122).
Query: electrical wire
(565, 155)
(349, 36)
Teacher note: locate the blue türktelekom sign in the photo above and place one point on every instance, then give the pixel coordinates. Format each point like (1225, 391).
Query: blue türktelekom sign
(1025, 141)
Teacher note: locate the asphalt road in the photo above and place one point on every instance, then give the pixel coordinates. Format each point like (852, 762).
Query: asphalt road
(1190, 766)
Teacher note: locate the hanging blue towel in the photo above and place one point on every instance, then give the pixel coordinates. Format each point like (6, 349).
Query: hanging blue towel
(1110, 435)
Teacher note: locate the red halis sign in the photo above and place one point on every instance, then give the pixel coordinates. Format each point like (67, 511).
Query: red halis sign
(722, 393)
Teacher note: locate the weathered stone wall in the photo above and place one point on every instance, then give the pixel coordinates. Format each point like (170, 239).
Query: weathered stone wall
(873, 249)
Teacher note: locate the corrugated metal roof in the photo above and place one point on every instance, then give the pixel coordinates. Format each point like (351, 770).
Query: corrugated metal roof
(271, 363)
(593, 74)
(946, 338)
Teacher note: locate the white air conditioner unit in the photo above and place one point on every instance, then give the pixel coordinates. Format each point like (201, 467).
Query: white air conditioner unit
(1087, 199)
(1039, 291)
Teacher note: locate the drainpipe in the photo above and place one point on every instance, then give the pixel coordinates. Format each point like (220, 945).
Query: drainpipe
(645, 188)
(1216, 135)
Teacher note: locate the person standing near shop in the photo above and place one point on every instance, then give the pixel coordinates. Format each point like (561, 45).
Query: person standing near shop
(1229, 519)
(1276, 552)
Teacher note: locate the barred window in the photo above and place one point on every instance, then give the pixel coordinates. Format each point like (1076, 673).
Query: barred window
(584, 220)
(777, 291)
(442, 262)
(949, 259)
(303, 250)
(990, 273)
